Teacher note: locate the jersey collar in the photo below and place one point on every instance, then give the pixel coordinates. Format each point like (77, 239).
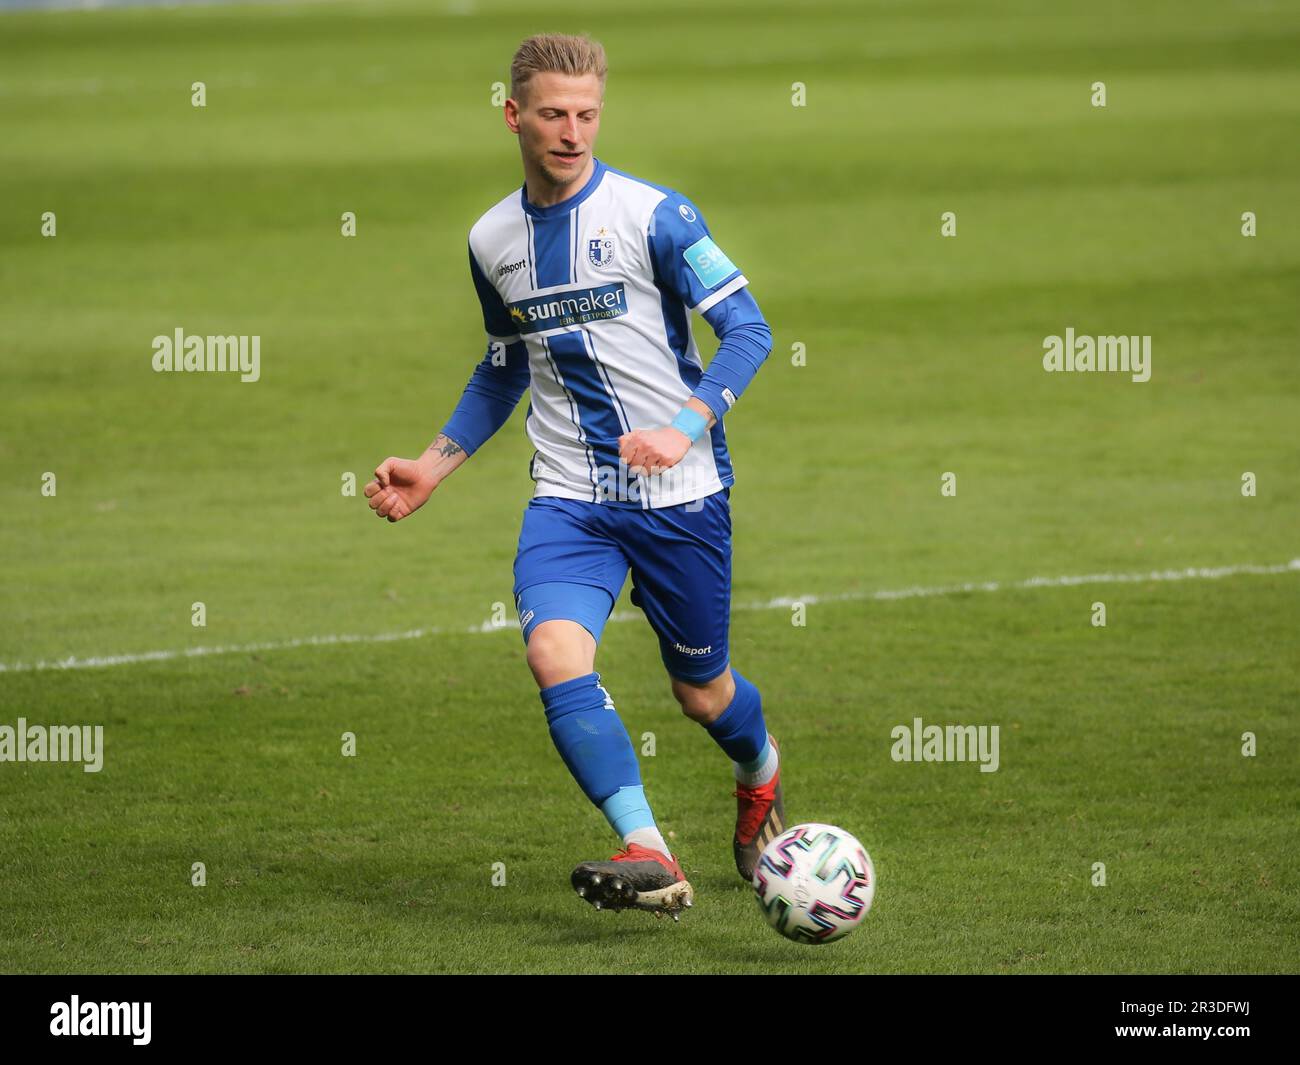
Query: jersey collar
(564, 206)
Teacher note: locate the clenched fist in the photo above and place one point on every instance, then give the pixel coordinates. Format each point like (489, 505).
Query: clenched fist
(653, 451)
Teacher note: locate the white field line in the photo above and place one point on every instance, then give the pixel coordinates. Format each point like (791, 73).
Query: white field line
(1194, 573)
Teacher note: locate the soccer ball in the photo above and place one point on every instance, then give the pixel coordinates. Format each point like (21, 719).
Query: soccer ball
(814, 883)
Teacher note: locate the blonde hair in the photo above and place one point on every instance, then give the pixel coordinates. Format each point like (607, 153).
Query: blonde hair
(558, 53)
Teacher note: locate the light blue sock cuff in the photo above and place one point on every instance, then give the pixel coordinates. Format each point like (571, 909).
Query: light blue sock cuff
(627, 809)
(690, 422)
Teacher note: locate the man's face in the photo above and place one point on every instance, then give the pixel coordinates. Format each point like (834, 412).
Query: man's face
(557, 122)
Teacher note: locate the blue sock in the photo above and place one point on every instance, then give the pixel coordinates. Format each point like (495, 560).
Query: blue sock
(627, 810)
(740, 729)
(590, 737)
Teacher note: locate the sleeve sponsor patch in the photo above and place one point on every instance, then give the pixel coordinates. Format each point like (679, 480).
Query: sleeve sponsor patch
(709, 262)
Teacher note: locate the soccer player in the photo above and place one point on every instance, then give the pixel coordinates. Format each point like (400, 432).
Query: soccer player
(587, 277)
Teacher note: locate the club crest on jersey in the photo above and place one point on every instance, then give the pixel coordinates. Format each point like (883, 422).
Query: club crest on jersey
(600, 248)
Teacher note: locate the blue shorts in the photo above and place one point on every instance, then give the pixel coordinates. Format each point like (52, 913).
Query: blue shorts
(574, 557)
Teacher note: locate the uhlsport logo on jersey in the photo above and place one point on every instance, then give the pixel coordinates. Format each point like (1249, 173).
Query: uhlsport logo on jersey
(575, 306)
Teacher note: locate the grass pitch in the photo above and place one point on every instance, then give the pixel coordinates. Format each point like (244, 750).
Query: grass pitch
(1120, 745)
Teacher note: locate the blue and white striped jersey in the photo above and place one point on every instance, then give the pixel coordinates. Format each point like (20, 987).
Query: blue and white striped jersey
(587, 303)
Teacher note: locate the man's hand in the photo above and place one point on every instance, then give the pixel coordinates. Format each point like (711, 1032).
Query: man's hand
(400, 488)
(403, 486)
(653, 451)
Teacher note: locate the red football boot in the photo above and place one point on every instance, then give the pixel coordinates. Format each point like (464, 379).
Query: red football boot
(637, 877)
(760, 818)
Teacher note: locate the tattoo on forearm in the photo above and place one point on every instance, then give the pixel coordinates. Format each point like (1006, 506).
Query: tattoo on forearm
(445, 446)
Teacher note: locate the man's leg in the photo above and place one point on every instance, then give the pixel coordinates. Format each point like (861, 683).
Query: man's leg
(731, 710)
(585, 728)
(682, 577)
(567, 576)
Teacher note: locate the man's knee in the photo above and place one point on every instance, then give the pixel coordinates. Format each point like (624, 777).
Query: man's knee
(705, 702)
(559, 651)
